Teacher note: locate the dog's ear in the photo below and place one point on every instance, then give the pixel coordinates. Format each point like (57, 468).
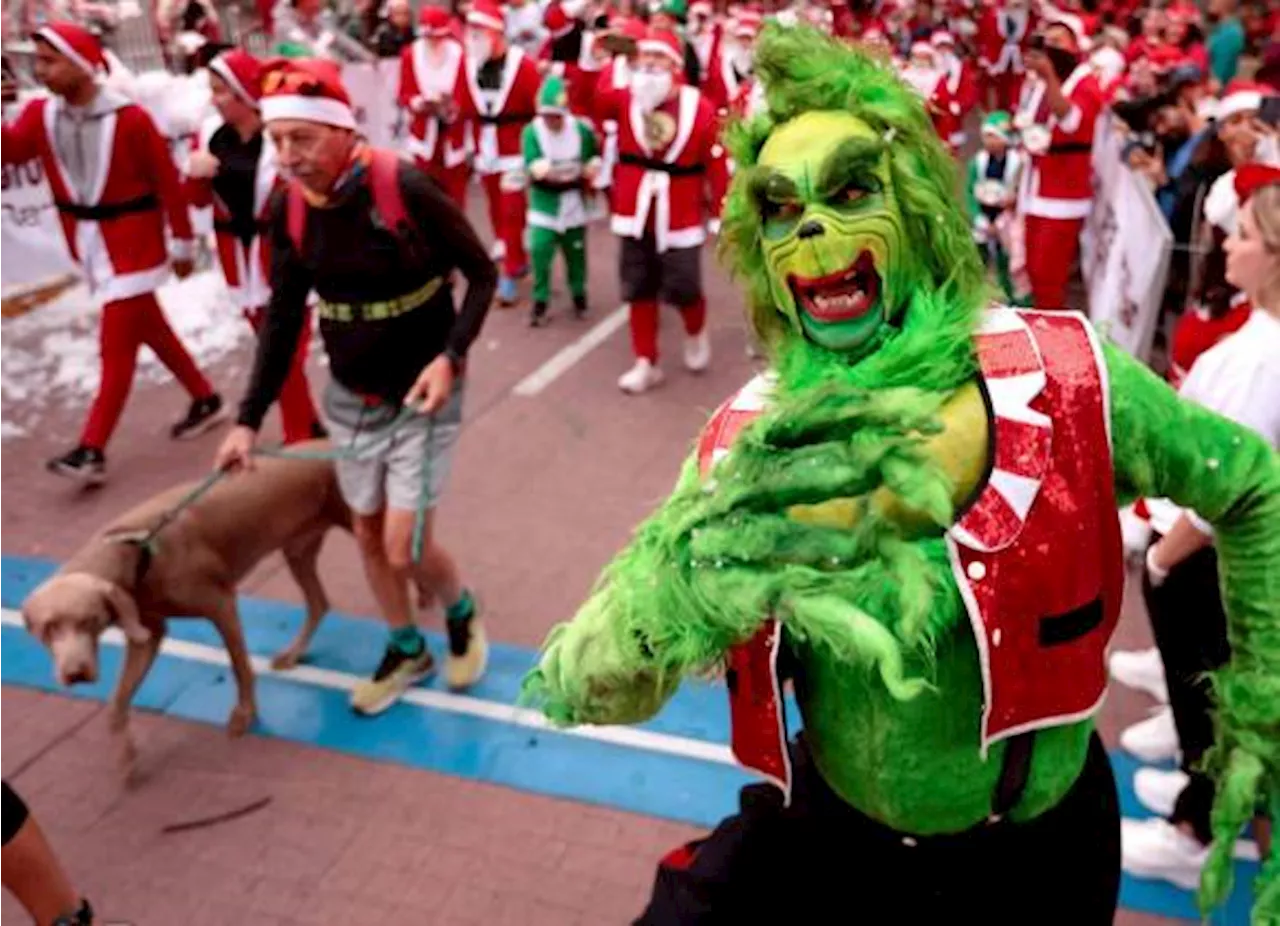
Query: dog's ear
(126, 611)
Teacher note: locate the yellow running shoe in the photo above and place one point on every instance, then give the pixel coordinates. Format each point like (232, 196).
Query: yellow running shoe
(395, 675)
(468, 652)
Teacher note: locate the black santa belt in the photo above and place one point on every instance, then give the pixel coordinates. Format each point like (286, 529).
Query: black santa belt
(505, 118)
(97, 212)
(1071, 147)
(675, 170)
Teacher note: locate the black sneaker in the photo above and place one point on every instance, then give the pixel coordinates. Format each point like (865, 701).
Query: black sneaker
(395, 675)
(84, 464)
(580, 306)
(203, 415)
(468, 652)
(319, 431)
(538, 318)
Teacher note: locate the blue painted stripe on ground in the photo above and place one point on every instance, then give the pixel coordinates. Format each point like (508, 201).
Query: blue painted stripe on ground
(543, 762)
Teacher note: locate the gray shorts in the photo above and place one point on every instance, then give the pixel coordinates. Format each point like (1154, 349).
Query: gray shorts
(394, 466)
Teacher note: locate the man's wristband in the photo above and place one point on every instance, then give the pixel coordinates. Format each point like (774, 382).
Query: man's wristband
(457, 362)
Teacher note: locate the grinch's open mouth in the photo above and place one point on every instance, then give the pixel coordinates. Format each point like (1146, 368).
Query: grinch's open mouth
(841, 296)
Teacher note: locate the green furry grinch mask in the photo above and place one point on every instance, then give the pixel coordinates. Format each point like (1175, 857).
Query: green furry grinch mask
(842, 214)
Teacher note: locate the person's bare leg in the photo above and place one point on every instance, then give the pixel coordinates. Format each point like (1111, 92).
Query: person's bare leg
(389, 585)
(435, 571)
(31, 871)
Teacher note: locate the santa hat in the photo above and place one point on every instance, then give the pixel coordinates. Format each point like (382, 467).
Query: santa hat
(435, 22)
(1165, 57)
(308, 89)
(75, 43)
(630, 27)
(923, 49)
(557, 21)
(240, 71)
(1241, 96)
(1073, 24)
(942, 37)
(662, 42)
(1250, 178)
(553, 98)
(486, 14)
(747, 23)
(1180, 11)
(701, 8)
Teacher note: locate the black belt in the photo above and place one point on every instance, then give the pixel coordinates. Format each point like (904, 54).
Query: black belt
(506, 118)
(556, 186)
(675, 170)
(98, 212)
(1071, 147)
(232, 227)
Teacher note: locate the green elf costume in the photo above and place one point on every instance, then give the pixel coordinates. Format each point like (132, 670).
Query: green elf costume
(911, 518)
(561, 157)
(991, 188)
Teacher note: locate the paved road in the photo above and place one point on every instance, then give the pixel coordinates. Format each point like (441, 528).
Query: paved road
(435, 813)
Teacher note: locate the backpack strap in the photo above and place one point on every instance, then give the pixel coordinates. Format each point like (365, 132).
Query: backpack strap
(295, 215)
(384, 183)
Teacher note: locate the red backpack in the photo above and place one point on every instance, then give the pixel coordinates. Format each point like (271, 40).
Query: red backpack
(388, 203)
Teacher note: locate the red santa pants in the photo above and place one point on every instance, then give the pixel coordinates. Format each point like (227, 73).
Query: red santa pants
(507, 215)
(1007, 88)
(453, 180)
(126, 325)
(298, 417)
(1052, 246)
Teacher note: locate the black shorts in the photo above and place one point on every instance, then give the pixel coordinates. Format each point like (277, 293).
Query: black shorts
(674, 276)
(13, 812)
(821, 861)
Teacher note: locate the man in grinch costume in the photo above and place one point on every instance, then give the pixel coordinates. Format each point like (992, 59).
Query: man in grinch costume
(912, 518)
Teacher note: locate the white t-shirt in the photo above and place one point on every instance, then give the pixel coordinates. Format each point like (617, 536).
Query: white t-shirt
(1239, 378)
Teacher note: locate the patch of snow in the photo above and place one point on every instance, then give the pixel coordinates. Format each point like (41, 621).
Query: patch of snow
(49, 357)
(8, 430)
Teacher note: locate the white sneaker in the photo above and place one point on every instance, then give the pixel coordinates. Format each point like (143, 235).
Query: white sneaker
(697, 351)
(1154, 739)
(498, 250)
(1156, 849)
(640, 378)
(1158, 789)
(1142, 670)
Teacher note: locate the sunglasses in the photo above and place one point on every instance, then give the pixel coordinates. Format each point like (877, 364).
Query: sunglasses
(296, 83)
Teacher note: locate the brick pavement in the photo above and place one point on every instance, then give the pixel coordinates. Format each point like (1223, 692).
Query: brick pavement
(345, 840)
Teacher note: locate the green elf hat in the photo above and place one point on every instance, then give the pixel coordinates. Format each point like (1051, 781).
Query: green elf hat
(676, 9)
(1000, 125)
(553, 98)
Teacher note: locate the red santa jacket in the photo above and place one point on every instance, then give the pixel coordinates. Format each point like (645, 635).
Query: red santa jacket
(498, 117)
(1002, 39)
(1060, 183)
(117, 232)
(247, 270)
(720, 83)
(433, 140)
(1037, 556)
(675, 188)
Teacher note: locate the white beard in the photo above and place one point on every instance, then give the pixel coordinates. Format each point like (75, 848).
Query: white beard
(923, 80)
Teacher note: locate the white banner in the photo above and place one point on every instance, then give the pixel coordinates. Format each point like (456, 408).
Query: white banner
(34, 252)
(372, 88)
(1125, 250)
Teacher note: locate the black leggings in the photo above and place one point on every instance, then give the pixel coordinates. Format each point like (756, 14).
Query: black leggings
(13, 812)
(821, 861)
(1190, 629)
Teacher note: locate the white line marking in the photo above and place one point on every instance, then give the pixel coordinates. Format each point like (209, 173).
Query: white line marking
(439, 700)
(570, 354)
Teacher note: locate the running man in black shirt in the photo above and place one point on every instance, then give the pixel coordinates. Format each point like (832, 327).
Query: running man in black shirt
(394, 341)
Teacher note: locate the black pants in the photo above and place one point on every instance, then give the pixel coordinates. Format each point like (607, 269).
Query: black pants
(820, 861)
(14, 810)
(1190, 628)
(674, 276)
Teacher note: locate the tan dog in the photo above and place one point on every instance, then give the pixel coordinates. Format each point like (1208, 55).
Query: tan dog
(195, 564)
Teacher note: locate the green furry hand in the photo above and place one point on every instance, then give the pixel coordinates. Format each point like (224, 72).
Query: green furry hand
(589, 673)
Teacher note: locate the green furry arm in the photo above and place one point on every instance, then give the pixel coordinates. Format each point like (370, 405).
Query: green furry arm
(1230, 476)
(604, 667)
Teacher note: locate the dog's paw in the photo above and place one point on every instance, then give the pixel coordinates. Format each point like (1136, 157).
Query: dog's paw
(241, 719)
(126, 757)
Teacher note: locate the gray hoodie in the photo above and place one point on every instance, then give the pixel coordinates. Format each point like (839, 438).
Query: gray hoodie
(78, 138)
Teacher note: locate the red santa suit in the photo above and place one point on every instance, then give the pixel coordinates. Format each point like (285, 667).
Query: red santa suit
(730, 65)
(962, 86)
(613, 79)
(928, 79)
(1058, 195)
(498, 115)
(433, 90)
(246, 265)
(664, 198)
(563, 54)
(1003, 33)
(114, 215)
